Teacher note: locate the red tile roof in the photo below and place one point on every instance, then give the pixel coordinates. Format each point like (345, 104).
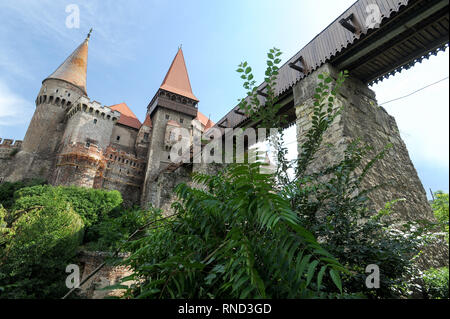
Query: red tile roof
(177, 78)
(206, 122)
(127, 117)
(148, 121)
(201, 118)
(209, 124)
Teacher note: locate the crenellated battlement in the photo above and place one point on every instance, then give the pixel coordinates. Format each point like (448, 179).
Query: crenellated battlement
(9, 143)
(84, 104)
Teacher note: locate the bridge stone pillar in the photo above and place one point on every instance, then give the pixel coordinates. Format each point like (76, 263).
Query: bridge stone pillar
(362, 118)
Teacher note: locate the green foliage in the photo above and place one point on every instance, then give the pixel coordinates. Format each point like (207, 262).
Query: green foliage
(440, 209)
(4, 229)
(40, 244)
(235, 239)
(91, 204)
(437, 283)
(263, 114)
(114, 229)
(333, 203)
(41, 234)
(7, 190)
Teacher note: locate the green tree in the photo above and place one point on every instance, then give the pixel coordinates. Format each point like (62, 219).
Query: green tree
(437, 283)
(440, 209)
(42, 242)
(91, 204)
(237, 238)
(7, 190)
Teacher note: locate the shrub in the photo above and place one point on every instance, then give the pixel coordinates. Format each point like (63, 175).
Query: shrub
(7, 190)
(358, 236)
(437, 283)
(440, 209)
(236, 239)
(91, 204)
(43, 241)
(115, 229)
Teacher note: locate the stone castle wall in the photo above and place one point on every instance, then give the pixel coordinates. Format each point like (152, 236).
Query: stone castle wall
(8, 150)
(124, 172)
(79, 165)
(159, 151)
(107, 276)
(89, 122)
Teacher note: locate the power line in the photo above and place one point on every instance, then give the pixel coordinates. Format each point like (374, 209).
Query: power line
(402, 97)
(399, 98)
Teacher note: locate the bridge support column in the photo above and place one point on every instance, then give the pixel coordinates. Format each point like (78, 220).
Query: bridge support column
(362, 118)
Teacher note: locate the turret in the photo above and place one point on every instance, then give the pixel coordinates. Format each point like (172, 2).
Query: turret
(173, 103)
(58, 93)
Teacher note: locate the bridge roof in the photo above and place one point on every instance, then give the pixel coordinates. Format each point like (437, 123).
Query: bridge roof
(409, 31)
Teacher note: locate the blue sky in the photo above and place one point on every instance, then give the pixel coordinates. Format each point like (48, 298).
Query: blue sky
(134, 42)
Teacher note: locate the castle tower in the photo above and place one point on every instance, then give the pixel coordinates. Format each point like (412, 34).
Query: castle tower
(143, 137)
(173, 103)
(58, 93)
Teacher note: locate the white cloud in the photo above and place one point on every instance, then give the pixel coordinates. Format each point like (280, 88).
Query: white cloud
(14, 109)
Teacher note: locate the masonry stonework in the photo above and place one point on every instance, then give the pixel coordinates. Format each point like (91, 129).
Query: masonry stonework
(75, 141)
(361, 118)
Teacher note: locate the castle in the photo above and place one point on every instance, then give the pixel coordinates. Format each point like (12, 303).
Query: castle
(73, 140)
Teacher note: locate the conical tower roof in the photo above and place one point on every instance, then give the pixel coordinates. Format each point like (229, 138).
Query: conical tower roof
(177, 78)
(74, 68)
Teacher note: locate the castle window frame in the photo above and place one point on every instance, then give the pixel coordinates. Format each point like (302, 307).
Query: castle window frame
(146, 136)
(95, 121)
(181, 120)
(167, 117)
